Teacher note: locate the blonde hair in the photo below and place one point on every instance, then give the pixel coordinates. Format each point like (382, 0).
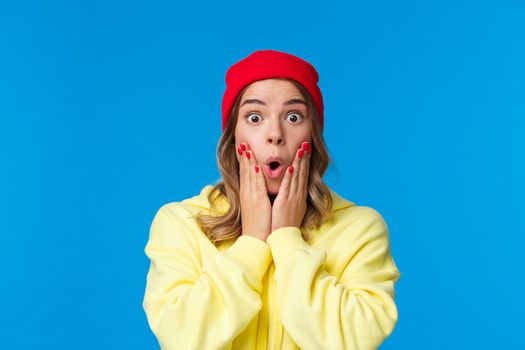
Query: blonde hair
(319, 201)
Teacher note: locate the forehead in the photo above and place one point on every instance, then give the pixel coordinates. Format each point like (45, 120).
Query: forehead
(275, 88)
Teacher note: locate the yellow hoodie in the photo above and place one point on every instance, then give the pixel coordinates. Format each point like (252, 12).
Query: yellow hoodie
(335, 291)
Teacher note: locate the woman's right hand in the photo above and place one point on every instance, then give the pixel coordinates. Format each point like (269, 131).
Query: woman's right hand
(256, 209)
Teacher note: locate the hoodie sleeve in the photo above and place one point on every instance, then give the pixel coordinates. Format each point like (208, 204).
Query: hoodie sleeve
(321, 311)
(190, 306)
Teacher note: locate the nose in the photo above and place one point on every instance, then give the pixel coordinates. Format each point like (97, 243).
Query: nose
(275, 134)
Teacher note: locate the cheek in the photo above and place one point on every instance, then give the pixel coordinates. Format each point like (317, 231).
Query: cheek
(253, 145)
(299, 136)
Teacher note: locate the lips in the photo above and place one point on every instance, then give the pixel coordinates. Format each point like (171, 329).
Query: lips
(274, 166)
(273, 173)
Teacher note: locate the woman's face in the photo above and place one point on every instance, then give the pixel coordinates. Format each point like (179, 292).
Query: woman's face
(274, 121)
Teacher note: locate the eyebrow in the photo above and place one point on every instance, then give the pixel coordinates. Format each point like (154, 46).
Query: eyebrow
(287, 103)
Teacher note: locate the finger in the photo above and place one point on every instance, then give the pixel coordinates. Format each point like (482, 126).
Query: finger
(304, 168)
(296, 165)
(248, 166)
(242, 168)
(284, 188)
(257, 172)
(245, 146)
(253, 166)
(260, 182)
(307, 147)
(245, 162)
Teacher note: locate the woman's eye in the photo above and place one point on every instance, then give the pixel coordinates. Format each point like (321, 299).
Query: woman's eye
(253, 118)
(295, 117)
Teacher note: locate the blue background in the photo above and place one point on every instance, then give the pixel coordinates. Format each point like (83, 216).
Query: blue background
(109, 110)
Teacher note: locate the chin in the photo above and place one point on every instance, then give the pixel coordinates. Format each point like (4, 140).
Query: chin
(272, 191)
(272, 187)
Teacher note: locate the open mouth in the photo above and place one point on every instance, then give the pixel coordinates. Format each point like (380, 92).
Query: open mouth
(274, 169)
(274, 165)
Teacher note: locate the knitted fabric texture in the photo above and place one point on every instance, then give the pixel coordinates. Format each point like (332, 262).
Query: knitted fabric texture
(267, 64)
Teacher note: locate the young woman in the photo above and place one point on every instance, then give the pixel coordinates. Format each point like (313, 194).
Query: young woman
(270, 257)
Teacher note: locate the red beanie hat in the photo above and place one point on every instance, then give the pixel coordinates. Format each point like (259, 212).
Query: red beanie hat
(265, 64)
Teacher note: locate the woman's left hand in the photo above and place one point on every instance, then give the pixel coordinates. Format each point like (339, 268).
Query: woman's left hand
(289, 206)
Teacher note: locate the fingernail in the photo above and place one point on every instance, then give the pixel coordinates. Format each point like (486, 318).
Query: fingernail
(301, 151)
(248, 155)
(240, 151)
(306, 147)
(257, 169)
(290, 169)
(243, 147)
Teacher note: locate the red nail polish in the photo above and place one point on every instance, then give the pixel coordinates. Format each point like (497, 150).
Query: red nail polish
(248, 155)
(243, 147)
(301, 151)
(290, 169)
(306, 147)
(256, 168)
(240, 151)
